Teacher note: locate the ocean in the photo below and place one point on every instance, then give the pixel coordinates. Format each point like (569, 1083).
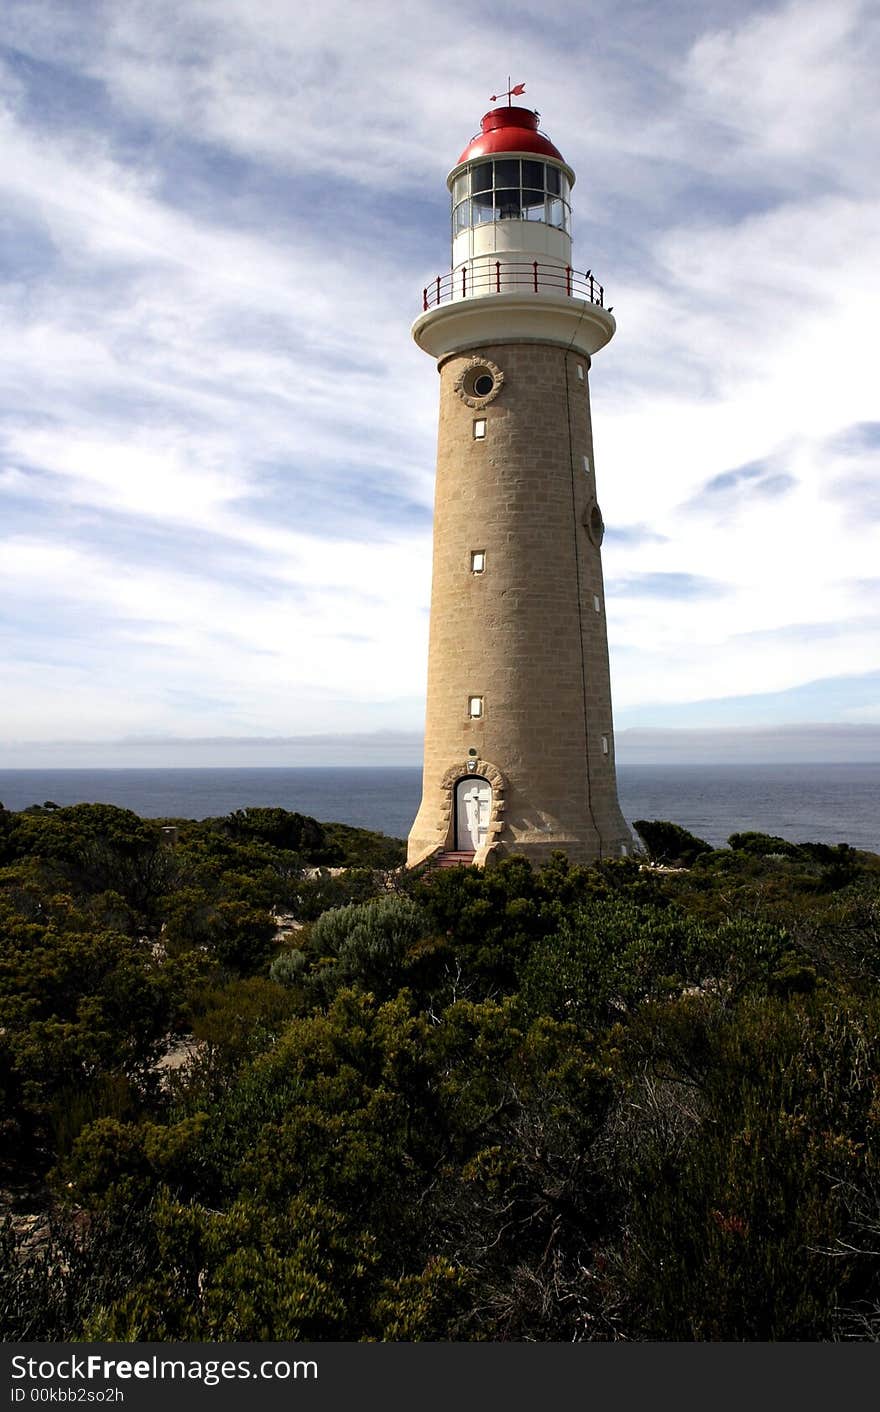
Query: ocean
(819, 803)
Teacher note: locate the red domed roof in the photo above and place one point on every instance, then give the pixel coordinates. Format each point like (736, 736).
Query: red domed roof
(509, 130)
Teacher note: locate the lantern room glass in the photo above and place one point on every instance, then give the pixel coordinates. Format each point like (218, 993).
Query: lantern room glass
(510, 188)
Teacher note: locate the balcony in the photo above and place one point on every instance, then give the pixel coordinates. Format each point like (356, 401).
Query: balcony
(512, 277)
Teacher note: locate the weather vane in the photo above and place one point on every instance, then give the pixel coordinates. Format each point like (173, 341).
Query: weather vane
(511, 92)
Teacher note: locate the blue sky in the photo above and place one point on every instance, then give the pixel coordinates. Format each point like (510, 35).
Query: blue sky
(217, 438)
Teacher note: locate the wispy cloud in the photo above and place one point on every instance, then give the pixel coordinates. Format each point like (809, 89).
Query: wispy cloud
(843, 699)
(854, 481)
(744, 484)
(857, 440)
(687, 586)
(629, 535)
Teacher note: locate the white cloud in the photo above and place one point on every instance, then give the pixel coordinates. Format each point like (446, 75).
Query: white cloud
(181, 646)
(795, 85)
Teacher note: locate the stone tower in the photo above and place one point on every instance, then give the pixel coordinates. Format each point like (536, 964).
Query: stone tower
(519, 749)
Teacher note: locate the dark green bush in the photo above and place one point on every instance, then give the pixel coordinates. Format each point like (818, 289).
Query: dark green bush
(609, 1103)
(670, 843)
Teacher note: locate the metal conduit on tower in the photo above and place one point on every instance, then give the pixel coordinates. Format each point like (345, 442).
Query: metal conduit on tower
(519, 745)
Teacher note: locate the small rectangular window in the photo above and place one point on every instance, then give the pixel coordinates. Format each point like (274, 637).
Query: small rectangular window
(580, 368)
(604, 745)
(596, 604)
(479, 428)
(587, 464)
(478, 561)
(475, 707)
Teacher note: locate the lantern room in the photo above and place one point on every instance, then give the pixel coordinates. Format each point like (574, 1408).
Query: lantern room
(511, 192)
(511, 275)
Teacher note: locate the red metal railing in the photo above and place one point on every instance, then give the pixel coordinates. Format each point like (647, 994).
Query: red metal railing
(505, 276)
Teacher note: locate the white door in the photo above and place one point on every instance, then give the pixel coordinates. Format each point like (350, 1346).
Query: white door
(473, 805)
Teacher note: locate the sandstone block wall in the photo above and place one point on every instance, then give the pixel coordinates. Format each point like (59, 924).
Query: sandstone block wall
(524, 634)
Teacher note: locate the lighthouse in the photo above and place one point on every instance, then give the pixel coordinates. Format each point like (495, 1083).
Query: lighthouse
(519, 745)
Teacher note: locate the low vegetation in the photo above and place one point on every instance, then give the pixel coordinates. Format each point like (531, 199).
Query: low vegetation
(258, 1083)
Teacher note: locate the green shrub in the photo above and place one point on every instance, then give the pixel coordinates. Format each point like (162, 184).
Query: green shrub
(326, 890)
(367, 943)
(763, 844)
(237, 936)
(288, 967)
(362, 848)
(761, 1121)
(670, 843)
(296, 833)
(99, 848)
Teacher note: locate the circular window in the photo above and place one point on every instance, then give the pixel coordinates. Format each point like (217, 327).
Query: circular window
(479, 382)
(594, 524)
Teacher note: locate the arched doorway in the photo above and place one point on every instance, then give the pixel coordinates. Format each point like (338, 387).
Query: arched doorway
(473, 808)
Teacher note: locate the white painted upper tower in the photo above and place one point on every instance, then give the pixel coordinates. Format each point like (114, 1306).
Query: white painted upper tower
(512, 275)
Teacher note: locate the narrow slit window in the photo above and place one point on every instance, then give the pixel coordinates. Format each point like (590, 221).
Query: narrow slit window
(604, 745)
(587, 466)
(596, 604)
(580, 368)
(479, 428)
(475, 707)
(478, 561)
